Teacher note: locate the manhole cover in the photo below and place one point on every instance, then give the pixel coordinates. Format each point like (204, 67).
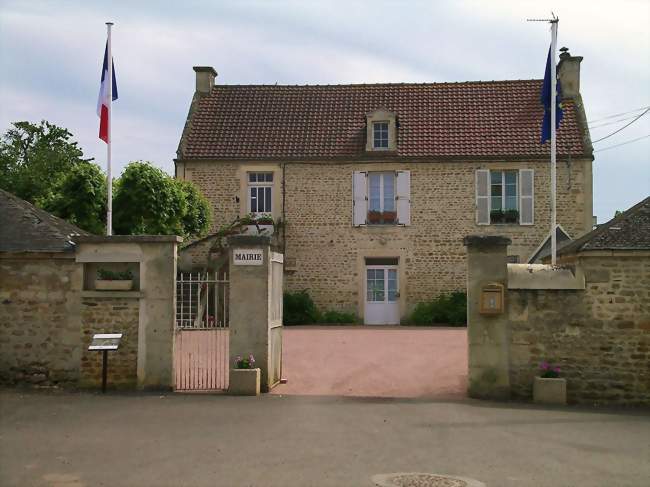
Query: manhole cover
(415, 479)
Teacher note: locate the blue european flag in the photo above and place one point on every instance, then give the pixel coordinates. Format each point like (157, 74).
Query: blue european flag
(546, 100)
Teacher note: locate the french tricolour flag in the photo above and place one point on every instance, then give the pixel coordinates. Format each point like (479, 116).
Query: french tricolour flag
(103, 101)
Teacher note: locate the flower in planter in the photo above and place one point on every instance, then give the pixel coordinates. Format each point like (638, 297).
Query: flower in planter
(245, 363)
(390, 216)
(511, 216)
(374, 216)
(496, 216)
(548, 371)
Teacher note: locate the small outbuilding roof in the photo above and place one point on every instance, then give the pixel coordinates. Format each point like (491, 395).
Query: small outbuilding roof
(628, 231)
(26, 228)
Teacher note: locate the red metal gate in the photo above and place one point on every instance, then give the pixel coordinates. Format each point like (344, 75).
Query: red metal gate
(201, 335)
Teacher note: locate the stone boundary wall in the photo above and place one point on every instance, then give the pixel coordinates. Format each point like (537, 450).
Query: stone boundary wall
(39, 320)
(600, 337)
(110, 315)
(596, 328)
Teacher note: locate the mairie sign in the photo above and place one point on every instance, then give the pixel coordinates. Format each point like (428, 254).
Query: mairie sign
(248, 256)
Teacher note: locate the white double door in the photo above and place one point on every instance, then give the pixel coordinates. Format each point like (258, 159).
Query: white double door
(382, 295)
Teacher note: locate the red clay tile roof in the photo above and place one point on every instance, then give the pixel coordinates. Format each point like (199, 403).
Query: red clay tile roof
(472, 119)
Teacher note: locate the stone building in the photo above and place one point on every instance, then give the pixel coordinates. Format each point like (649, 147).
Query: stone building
(377, 183)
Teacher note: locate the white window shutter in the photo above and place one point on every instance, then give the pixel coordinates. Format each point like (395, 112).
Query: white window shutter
(403, 197)
(526, 196)
(483, 196)
(359, 198)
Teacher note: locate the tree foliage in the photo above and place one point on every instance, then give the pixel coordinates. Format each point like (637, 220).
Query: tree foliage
(81, 198)
(148, 201)
(35, 158)
(43, 165)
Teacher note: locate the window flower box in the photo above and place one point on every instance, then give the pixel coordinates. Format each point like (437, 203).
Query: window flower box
(511, 216)
(390, 216)
(497, 216)
(374, 217)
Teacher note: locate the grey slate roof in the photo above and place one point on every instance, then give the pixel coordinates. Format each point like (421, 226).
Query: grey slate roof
(628, 231)
(26, 228)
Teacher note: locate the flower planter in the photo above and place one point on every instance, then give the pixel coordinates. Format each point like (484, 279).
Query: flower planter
(549, 391)
(113, 285)
(263, 230)
(374, 217)
(244, 382)
(390, 216)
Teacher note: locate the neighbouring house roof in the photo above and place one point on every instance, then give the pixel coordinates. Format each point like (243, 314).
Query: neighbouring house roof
(562, 238)
(26, 228)
(628, 231)
(481, 119)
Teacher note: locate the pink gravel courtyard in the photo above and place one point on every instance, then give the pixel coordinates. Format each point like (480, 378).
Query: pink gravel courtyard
(374, 361)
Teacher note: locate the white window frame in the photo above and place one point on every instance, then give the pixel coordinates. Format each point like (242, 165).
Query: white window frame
(382, 185)
(259, 184)
(374, 140)
(503, 188)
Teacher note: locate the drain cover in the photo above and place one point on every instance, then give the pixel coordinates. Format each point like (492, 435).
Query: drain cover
(415, 479)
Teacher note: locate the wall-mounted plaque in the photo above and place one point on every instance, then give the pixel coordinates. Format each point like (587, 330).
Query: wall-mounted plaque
(248, 256)
(491, 299)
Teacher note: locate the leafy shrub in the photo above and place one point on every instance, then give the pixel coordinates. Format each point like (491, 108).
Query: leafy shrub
(299, 309)
(338, 317)
(448, 309)
(108, 275)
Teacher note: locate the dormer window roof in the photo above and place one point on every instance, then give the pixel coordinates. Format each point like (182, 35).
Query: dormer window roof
(381, 134)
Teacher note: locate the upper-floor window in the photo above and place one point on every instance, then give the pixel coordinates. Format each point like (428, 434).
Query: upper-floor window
(260, 192)
(381, 130)
(380, 135)
(504, 196)
(381, 197)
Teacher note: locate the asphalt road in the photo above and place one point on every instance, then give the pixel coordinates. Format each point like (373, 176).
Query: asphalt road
(75, 439)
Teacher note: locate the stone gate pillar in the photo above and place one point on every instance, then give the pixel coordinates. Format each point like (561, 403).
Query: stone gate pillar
(487, 334)
(252, 328)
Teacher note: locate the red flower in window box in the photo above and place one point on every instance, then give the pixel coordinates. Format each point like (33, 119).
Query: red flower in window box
(374, 216)
(390, 216)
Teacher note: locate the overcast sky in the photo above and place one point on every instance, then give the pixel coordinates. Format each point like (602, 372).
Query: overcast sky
(51, 54)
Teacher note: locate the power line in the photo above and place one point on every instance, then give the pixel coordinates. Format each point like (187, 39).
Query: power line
(623, 127)
(618, 114)
(613, 122)
(623, 143)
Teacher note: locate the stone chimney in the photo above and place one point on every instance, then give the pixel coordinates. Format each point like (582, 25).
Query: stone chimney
(568, 72)
(205, 76)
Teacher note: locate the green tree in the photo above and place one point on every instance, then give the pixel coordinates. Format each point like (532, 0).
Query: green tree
(81, 198)
(148, 201)
(35, 158)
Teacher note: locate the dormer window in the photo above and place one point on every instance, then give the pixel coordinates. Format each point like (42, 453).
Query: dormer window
(381, 133)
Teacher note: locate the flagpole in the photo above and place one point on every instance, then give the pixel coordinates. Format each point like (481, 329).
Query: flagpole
(109, 206)
(554, 23)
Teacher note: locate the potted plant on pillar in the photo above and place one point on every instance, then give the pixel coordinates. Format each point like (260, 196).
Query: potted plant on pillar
(108, 280)
(549, 387)
(244, 377)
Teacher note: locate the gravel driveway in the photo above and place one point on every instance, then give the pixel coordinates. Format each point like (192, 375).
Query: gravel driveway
(374, 361)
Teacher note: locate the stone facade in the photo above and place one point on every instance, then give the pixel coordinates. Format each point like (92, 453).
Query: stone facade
(39, 320)
(110, 315)
(600, 337)
(318, 215)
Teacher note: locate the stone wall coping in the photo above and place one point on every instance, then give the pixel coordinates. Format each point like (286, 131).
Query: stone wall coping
(126, 239)
(249, 240)
(486, 240)
(544, 276)
(112, 294)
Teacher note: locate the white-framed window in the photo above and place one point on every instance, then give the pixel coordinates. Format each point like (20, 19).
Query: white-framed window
(505, 196)
(504, 190)
(380, 135)
(260, 192)
(382, 197)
